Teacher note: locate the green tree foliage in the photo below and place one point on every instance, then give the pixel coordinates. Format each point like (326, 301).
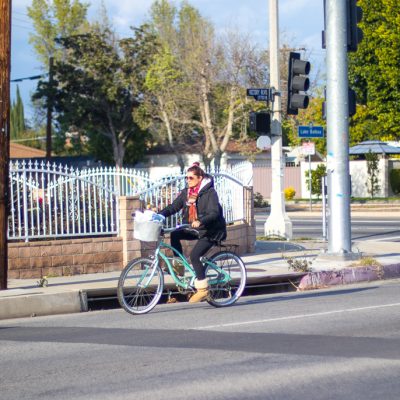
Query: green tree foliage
(17, 117)
(375, 74)
(313, 114)
(98, 85)
(316, 179)
(54, 19)
(21, 131)
(373, 173)
(198, 79)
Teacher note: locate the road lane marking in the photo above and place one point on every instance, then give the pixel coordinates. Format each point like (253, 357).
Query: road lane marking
(382, 239)
(261, 321)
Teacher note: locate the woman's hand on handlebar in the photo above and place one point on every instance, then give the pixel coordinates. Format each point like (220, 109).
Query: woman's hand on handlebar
(196, 224)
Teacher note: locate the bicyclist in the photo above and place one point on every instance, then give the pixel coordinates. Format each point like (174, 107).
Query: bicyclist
(202, 210)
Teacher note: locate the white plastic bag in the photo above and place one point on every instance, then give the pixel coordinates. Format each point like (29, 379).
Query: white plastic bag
(147, 226)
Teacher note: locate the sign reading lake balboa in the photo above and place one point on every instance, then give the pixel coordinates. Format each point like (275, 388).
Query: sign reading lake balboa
(260, 94)
(310, 131)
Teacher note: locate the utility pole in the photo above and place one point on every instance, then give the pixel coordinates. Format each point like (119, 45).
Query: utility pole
(5, 52)
(339, 226)
(278, 222)
(49, 109)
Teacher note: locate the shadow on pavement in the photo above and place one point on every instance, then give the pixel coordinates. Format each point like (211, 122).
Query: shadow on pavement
(250, 342)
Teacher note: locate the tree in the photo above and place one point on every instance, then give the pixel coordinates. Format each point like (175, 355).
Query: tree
(17, 117)
(374, 71)
(313, 114)
(198, 79)
(373, 173)
(52, 20)
(98, 85)
(316, 179)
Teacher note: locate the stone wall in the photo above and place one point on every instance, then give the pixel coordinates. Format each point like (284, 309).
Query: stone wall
(105, 254)
(64, 257)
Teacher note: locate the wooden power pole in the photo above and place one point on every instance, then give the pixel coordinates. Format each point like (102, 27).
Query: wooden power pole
(5, 52)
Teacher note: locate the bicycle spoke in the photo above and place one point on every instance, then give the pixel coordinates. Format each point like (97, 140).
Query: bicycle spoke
(140, 286)
(227, 275)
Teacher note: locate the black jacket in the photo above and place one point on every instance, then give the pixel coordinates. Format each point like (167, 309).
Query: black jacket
(209, 211)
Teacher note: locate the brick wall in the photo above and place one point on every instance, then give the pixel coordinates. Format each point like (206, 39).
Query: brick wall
(64, 257)
(105, 254)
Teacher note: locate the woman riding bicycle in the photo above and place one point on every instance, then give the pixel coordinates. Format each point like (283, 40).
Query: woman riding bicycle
(201, 209)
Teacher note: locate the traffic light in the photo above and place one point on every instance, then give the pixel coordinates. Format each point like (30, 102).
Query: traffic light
(324, 31)
(297, 82)
(352, 103)
(260, 122)
(354, 33)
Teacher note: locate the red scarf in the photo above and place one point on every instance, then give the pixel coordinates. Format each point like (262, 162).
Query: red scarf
(191, 202)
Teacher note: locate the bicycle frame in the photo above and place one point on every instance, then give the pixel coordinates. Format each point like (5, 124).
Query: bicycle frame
(184, 282)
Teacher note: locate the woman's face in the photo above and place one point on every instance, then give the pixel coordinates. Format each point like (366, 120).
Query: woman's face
(192, 179)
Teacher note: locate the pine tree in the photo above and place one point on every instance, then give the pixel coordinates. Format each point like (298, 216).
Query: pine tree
(17, 117)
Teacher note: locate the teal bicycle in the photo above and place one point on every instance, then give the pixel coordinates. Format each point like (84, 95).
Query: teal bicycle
(142, 281)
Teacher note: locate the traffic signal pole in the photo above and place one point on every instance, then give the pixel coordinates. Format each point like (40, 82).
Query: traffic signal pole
(278, 223)
(5, 49)
(339, 226)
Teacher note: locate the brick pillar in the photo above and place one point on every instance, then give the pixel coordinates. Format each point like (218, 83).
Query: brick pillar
(130, 246)
(249, 218)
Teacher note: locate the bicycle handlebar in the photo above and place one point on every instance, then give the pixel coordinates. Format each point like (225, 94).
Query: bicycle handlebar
(168, 230)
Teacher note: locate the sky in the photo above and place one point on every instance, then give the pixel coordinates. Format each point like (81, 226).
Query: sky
(300, 23)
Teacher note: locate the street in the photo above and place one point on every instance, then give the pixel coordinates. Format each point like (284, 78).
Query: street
(371, 227)
(339, 343)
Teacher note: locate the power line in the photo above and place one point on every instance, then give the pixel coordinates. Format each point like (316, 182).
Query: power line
(22, 20)
(30, 78)
(19, 12)
(22, 27)
(30, 139)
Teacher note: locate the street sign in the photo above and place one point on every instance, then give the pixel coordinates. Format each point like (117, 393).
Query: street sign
(264, 142)
(308, 148)
(310, 131)
(260, 94)
(262, 98)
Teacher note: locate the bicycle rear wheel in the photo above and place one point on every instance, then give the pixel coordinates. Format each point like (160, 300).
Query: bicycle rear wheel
(140, 286)
(226, 274)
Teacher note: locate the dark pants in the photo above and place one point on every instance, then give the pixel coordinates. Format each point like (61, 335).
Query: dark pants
(199, 249)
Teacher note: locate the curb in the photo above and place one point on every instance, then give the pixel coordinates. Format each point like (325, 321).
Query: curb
(346, 276)
(30, 305)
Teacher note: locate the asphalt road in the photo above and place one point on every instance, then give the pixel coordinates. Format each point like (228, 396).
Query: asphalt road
(341, 343)
(362, 228)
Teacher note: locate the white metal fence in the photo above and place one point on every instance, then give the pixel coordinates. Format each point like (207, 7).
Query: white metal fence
(230, 192)
(47, 200)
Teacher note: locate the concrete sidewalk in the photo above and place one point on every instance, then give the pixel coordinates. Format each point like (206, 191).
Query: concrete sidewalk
(268, 265)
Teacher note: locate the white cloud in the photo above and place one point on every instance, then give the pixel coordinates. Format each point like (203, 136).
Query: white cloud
(300, 20)
(123, 13)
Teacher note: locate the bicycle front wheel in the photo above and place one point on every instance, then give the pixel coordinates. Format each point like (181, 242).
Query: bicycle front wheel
(140, 286)
(226, 274)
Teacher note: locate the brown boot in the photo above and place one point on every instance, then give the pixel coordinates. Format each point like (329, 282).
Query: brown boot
(202, 291)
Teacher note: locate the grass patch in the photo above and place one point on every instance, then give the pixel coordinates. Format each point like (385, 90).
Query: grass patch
(366, 262)
(281, 239)
(372, 263)
(271, 239)
(299, 264)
